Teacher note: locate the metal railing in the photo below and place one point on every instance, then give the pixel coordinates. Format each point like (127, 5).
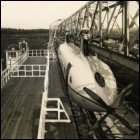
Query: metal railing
(29, 71)
(42, 53)
(5, 76)
(61, 114)
(52, 57)
(45, 108)
(7, 73)
(41, 127)
(16, 69)
(37, 53)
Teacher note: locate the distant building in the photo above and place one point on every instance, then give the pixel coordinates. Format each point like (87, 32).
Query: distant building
(14, 52)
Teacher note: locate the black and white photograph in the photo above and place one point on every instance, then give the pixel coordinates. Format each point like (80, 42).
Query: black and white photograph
(69, 69)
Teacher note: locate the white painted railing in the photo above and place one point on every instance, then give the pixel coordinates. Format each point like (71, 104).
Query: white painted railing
(22, 59)
(45, 110)
(37, 53)
(16, 69)
(52, 57)
(61, 117)
(29, 71)
(41, 127)
(5, 76)
(17, 61)
(42, 53)
(46, 81)
(7, 73)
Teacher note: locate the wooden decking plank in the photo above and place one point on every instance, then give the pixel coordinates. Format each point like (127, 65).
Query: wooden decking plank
(10, 99)
(27, 104)
(19, 97)
(57, 90)
(29, 109)
(17, 124)
(17, 109)
(13, 112)
(25, 99)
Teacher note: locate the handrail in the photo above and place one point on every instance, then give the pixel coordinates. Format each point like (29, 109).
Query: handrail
(41, 128)
(6, 73)
(46, 110)
(37, 70)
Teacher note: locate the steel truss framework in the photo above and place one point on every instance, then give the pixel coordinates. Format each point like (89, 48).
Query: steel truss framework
(110, 26)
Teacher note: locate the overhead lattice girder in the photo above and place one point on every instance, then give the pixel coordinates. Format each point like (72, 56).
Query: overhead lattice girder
(104, 20)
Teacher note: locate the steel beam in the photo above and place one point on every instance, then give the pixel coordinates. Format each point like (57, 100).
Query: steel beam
(115, 18)
(108, 12)
(125, 21)
(111, 19)
(117, 58)
(93, 17)
(93, 20)
(97, 32)
(100, 24)
(134, 19)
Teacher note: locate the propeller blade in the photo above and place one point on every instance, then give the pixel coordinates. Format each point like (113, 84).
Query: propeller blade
(122, 96)
(110, 109)
(125, 122)
(97, 99)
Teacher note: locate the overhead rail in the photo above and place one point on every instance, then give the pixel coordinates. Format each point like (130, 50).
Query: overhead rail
(110, 26)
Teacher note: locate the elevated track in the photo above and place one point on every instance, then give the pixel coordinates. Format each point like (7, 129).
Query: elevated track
(106, 29)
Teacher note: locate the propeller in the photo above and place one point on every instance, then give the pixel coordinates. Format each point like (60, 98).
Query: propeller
(125, 122)
(122, 95)
(111, 110)
(97, 99)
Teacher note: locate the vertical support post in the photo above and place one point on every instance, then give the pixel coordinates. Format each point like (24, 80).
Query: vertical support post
(18, 70)
(100, 23)
(125, 29)
(1, 65)
(16, 55)
(10, 62)
(32, 70)
(107, 19)
(27, 51)
(53, 57)
(26, 45)
(39, 71)
(8, 74)
(6, 79)
(111, 17)
(58, 110)
(7, 58)
(88, 15)
(25, 69)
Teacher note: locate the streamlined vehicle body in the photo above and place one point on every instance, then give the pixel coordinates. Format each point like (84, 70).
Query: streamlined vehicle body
(85, 75)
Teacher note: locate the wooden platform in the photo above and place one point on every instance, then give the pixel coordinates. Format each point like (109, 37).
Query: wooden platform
(20, 105)
(57, 90)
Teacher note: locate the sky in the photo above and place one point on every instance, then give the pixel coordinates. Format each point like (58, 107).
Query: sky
(40, 14)
(36, 14)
